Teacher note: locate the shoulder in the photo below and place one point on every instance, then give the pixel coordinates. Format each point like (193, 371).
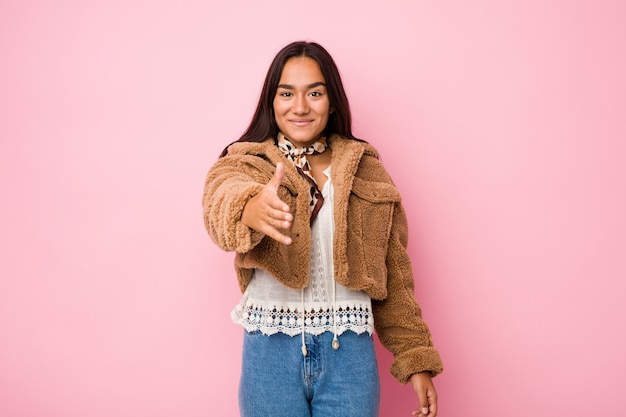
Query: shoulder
(252, 148)
(254, 154)
(371, 167)
(352, 157)
(255, 160)
(346, 146)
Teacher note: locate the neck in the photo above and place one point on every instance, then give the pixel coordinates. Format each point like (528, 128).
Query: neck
(319, 143)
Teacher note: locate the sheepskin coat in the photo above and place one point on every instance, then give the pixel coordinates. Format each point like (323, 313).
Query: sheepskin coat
(369, 246)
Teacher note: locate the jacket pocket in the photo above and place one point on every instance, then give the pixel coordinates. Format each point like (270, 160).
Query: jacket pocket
(375, 192)
(369, 224)
(371, 208)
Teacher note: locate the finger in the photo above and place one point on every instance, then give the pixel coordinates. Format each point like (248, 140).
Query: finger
(277, 178)
(278, 209)
(277, 236)
(420, 413)
(278, 218)
(273, 185)
(423, 412)
(431, 395)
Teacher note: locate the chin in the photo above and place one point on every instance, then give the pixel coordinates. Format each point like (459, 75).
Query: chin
(304, 137)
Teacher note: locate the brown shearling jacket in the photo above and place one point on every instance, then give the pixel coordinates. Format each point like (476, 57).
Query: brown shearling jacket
(369, 245)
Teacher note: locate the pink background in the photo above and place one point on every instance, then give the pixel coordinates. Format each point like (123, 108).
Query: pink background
(503, 124)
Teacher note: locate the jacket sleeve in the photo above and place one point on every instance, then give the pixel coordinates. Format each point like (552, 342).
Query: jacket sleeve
(230, 183)
(398, 318)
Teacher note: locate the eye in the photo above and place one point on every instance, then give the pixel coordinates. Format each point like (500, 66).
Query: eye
(316, 94)
(285, 94)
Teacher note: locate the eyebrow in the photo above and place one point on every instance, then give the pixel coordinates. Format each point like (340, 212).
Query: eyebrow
(290, 87)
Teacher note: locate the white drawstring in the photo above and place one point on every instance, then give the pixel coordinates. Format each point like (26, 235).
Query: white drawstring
(304, 352)
(335, 343)
(335, 340)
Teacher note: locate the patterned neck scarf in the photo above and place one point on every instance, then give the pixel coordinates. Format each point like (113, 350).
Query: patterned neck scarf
(297, 155)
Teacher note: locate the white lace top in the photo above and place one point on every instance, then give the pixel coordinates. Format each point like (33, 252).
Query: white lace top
(271, 307)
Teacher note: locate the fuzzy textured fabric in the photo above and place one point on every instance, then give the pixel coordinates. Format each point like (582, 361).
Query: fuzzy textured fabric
(369, 245)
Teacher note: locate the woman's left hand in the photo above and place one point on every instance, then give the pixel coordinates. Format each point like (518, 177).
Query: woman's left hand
(426, 394)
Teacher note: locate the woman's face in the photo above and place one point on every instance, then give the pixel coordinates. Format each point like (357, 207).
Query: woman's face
(301, 104)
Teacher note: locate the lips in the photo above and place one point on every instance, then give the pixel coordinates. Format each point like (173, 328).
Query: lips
(301, 123)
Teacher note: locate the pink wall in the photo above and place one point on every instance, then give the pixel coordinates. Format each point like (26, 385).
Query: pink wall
(503, 124)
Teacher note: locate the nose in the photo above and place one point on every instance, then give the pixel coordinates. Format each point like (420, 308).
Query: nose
(300, 105)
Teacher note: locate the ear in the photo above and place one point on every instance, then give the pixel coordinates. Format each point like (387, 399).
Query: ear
(331, 110)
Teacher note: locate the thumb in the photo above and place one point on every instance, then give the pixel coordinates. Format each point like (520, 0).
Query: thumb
(277, 178)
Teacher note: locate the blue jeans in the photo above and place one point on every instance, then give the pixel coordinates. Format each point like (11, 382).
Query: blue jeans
(278, 381)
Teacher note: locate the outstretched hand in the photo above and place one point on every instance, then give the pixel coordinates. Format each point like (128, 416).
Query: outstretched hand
(266, 212)
(426, 394)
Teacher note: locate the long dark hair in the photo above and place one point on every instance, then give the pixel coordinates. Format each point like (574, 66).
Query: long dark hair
(263, 124)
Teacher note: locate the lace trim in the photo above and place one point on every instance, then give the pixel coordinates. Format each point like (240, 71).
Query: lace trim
(355, 317)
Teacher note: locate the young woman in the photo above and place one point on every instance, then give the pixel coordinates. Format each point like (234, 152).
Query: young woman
(320, 238)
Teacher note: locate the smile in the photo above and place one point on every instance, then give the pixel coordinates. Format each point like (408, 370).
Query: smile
(301, 123)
